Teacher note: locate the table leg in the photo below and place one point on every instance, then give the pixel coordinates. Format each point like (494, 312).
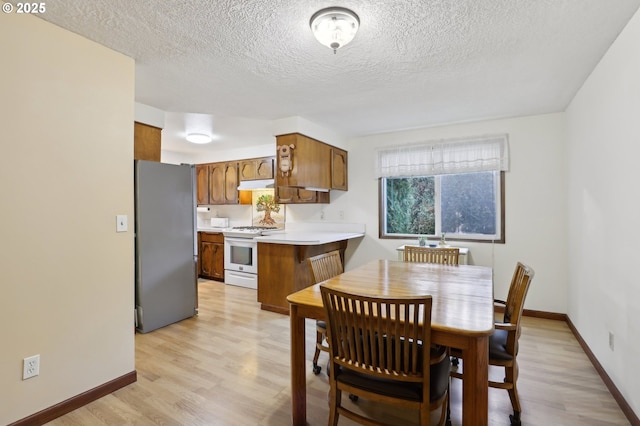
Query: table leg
(298, 373)
(475, 383)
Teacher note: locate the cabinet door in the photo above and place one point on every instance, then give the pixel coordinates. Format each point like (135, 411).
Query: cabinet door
(306, 196)
(202, 183)
(289, 195)
(211, 256)
(206, 259)
(216, 183)
(247, 170)
(338, 169)
(264, 168)
(146, 142)
(217, 265)
(231, 183)
(285, 195)
(256, 168)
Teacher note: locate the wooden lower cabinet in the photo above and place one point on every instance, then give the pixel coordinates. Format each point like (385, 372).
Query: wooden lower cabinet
(283, 269)
(211, 255)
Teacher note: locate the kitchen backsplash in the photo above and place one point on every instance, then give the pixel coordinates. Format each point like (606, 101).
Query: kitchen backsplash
(245, 215)
(238, 215)
(264, 210)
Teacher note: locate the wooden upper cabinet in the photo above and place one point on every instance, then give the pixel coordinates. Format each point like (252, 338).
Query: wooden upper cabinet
(223, 183)
(291, 195)
(339, 170)
(256, 168)
(216, 183)
(231, 183)
(202, 183)
(247, 170)
(313, 164)
(146, 142)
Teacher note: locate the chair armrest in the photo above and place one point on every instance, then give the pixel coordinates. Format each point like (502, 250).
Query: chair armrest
(504, 326)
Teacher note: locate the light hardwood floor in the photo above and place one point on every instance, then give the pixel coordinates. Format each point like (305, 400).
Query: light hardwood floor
(230, 366)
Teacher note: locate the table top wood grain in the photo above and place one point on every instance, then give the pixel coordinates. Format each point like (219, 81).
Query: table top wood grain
(462, 294)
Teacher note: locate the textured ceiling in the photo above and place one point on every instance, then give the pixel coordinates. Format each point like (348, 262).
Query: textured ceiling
(413, 63)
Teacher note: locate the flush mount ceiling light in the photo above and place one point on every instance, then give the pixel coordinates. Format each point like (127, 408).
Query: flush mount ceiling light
(199, 138)
(334, 26)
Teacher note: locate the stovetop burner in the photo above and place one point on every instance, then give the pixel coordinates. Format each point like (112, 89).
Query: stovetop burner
(248, 231)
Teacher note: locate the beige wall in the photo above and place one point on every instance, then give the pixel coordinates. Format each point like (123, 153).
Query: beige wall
(66, 277)
(604, 207)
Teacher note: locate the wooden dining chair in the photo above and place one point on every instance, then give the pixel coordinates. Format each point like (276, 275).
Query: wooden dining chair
(503, 344)
(445, 255)
(380, 350)
(323, 267)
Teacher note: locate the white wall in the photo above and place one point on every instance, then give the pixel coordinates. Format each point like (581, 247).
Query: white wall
(535, 204)
(302, 125)
(603, 127)
(66, 286)
(215, 156)
(149, 115)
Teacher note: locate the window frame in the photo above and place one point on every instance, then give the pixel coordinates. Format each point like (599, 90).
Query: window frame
(382, 213)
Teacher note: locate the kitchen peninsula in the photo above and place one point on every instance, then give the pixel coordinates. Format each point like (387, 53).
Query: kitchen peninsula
(282, 258)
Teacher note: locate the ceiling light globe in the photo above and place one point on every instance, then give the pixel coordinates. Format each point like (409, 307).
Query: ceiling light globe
(199, 138)
(334, 26)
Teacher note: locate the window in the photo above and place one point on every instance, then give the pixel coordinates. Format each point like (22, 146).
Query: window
(465, 206)
(448, 186)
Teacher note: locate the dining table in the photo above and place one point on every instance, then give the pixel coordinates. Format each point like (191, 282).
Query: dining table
(462, 317)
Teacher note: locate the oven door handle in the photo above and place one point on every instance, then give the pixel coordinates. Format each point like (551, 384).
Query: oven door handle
(239, 240)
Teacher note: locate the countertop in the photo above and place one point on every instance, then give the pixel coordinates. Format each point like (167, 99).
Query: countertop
(210, 229)
(307, 238)
(306, 233)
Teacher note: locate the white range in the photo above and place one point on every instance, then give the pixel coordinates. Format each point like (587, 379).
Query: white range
(241, 255)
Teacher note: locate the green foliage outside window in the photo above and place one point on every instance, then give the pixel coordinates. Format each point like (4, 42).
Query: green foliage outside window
(465, 206)
(410, 206)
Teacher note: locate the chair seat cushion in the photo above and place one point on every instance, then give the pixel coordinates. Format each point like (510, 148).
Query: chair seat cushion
(404, 390)
(498, 345)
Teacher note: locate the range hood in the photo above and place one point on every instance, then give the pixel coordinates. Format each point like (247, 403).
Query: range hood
(248, 185)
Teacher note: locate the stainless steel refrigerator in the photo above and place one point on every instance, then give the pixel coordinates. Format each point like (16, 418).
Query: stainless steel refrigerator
(165, 244)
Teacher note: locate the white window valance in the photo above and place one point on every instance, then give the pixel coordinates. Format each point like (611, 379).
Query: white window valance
(445, 156)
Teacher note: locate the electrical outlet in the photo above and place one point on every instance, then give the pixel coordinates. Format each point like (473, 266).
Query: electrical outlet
(31, 367)
(341, 214)
(611, 341)
(322, 214)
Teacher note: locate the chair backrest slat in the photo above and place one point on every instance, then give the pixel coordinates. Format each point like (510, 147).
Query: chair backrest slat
(444, 255)
(325, 266)
(379, 336)
(518, 289)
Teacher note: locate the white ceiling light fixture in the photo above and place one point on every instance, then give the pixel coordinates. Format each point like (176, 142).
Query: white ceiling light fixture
(334, 26)
(199, 138)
